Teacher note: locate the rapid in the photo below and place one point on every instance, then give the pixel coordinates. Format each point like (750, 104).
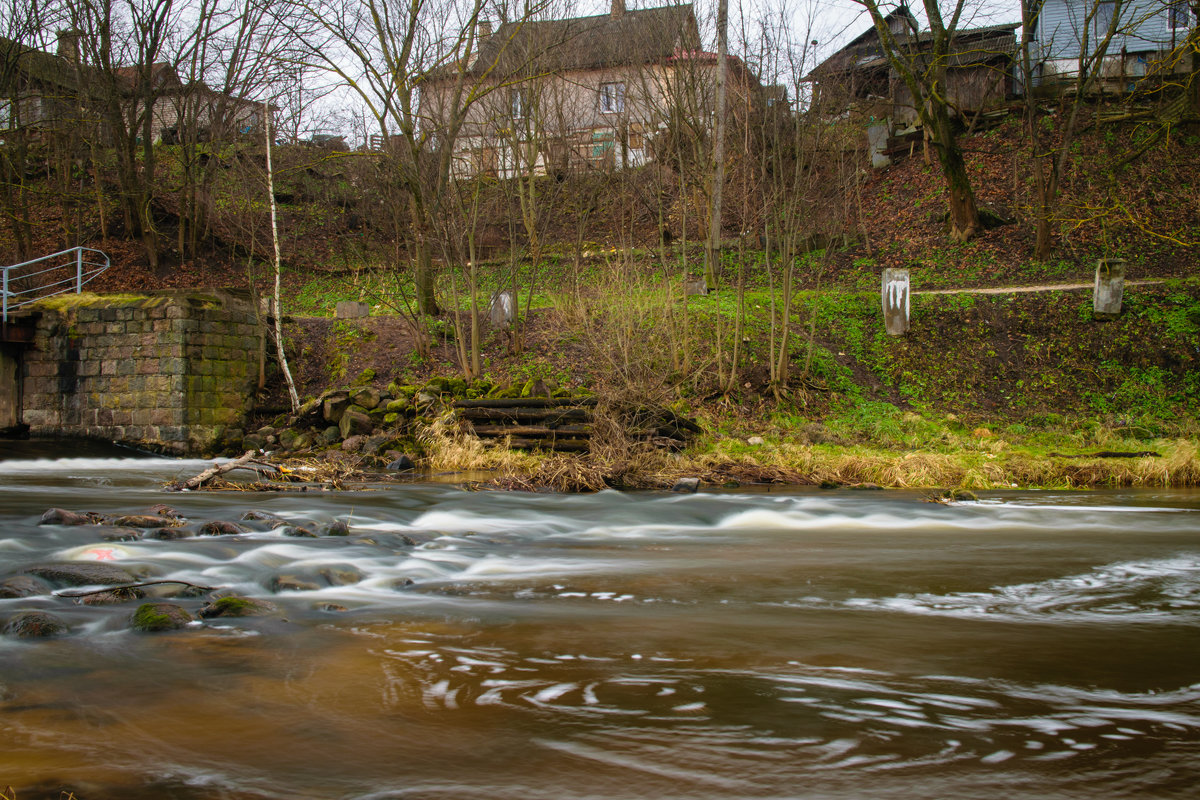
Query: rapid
(736, 644)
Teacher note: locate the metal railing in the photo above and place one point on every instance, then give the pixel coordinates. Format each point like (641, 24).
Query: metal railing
(68, 270)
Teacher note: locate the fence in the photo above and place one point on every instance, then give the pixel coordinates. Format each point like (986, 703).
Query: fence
(57, 273)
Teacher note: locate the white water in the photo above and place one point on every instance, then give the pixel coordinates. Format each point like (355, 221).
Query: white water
(614, 646)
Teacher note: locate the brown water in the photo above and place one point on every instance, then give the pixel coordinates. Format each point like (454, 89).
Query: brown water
(782, 645)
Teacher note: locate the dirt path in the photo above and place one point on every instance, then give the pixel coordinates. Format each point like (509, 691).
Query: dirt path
(1049, 287)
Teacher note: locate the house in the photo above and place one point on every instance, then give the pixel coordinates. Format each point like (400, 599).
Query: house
(581, 93)
(58, 92)
(859, 79)
(1146, 35)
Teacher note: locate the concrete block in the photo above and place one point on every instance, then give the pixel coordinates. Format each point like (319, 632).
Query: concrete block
(895, 296)
(351, 309)
(1109, 290)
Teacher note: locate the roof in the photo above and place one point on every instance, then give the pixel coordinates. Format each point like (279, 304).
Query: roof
(45, 68)
(969, 46)
(635, 37)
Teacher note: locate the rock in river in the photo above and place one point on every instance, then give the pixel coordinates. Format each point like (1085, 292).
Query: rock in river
(81, 574)
(154, 617)
(34, 624)
(238, 607)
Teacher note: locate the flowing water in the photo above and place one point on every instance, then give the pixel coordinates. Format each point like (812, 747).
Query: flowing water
(795, 644)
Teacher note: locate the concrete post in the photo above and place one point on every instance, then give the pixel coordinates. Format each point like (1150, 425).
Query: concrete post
(503, 309)
(1109, 290)
(351, 309)
(877, 139)
(895, 296)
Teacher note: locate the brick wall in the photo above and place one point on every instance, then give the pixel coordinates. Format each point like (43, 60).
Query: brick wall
(173, 372)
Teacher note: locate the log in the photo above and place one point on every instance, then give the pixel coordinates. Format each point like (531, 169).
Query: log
(526, 414)
(560, 445)
(529, 402)
(212, 472)
(531, 431)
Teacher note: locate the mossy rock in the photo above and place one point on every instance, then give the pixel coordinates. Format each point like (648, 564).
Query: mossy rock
(156, 617)
(391, 418)
(365, 377)
(505, 392)
(238, 607)
(34, 625)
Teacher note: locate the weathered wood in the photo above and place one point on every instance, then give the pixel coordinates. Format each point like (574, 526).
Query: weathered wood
(560, 445)
(526, 402)
(531, 431)
(547, 415)
(212, 472)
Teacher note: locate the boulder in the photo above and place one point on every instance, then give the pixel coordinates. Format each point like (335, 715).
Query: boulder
(298, 532)
(398, 406)
(252, 441)
(335, 528)
(238, 607)
(221, 528)
(402, 463)
(121, 534)
(60, 516)
(291, 583)
(112, 597)
(374, 445)
(155, 617)
(334, 405)
(288, 439)
(22, 586)
(81, 573)
(367, 397)
(340, 575)
(146, 521)
(331, 434)
(354, 421)
(686, 485)
(34, 624)
(353, 443)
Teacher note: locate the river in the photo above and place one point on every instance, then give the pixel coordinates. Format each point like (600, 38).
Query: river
(738, 644)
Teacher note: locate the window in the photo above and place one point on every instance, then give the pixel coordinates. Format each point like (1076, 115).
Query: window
(612, 98)
(1103, 18)
(519, 102)
(1178, 15)
(5, 114)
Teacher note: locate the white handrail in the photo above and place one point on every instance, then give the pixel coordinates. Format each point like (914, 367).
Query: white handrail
(18, 287)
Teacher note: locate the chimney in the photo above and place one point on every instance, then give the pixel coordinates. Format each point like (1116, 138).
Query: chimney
(68, 45)
(483, 29)
(618, 9)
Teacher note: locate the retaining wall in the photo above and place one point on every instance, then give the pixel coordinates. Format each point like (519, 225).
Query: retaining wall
(174, 372)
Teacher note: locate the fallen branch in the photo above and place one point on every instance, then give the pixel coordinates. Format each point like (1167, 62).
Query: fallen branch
(131, 586)
(214, 471)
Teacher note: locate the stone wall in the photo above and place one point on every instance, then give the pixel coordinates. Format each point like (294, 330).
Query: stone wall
(174, 372)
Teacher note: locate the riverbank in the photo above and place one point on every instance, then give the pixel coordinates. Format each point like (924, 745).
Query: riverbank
(986, 391)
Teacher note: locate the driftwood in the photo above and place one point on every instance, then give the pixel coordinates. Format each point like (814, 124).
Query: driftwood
(131, 586)
(214, 471)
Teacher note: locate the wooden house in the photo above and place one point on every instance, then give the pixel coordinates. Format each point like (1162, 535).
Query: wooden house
(859, 80)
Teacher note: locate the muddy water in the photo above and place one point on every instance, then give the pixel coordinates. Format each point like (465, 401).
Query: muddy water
(815, 645)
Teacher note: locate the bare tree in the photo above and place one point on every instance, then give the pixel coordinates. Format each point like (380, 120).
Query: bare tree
(922, 62)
